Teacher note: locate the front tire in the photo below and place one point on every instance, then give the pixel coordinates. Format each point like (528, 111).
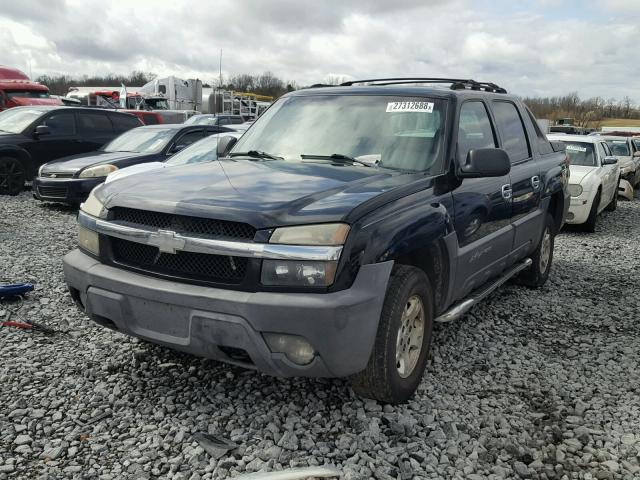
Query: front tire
(613, 205)
(537, 274)
(401, 347)
(12, 176)
(590, 224)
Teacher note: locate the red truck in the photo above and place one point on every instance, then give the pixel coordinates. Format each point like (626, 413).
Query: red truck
(16, 90)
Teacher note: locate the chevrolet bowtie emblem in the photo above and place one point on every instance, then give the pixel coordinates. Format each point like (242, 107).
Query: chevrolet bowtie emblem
(166, 241)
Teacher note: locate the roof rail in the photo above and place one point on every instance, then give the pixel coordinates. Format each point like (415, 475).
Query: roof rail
(456, 83)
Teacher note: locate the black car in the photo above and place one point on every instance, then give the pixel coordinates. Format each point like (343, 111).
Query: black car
(31, 136)
(70, 179)
(333, 236)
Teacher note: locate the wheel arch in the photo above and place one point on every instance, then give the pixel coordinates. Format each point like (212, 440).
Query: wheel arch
(23, 156)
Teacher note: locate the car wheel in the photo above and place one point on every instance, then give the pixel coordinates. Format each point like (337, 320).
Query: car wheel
(537, 274)
(12, 176)
(590, 224)
(401, 347)
(614, 201)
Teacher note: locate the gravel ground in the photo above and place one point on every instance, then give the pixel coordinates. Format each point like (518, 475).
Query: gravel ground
(532, 384)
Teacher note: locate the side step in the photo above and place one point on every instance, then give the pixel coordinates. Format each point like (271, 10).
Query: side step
(462, 307)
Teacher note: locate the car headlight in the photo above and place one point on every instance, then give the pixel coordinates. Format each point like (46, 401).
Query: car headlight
(93, 206)
(304, 273)
(324, 234)
(98, 171)
(575, 190)
(88, 240)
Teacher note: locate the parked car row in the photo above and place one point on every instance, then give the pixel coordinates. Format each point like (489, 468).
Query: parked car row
(67, 151)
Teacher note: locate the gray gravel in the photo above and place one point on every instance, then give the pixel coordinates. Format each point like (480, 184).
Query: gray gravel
(532, 384)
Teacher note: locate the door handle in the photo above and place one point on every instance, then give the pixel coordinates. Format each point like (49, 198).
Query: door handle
(535, 182)
(506, 191)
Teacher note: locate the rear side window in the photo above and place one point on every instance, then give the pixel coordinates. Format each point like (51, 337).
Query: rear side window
(122, 123)
(149, 119)
(511, 129)
(61, 123)
(544, 146)
(474, 129)
(94, 122)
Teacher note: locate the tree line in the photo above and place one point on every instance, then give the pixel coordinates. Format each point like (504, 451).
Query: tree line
(584, 112)
(589, 112)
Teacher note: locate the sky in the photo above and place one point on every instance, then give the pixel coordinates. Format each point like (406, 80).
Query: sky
(530, 47)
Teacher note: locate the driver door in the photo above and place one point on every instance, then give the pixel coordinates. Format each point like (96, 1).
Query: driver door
(62, 140)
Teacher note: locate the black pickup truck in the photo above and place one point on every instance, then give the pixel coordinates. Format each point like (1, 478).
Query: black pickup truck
(329, 239)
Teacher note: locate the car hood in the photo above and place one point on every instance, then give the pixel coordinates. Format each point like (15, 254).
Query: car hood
(133, 169)
(76, 162)
(262, 193)
(7, 138)
(579, 173)
(625, 161)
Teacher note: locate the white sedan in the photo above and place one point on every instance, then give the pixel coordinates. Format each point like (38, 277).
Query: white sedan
(201, 151)
(593, 180)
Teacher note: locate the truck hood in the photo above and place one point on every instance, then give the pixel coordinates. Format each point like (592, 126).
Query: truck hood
(74, 163)
(579, 173)
(25, 101)
(263, 193)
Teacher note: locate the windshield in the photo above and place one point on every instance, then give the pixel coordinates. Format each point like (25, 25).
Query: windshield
(619, 148)
(26, 94)
(141, 140)
(396, 132)
(15, 120)
(580, 153)
(201, 151)
(202, 120)
(157, 103)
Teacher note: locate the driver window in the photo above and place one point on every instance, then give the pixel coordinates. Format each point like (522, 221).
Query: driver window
(61, 124)
(474, 129)
(188, 138)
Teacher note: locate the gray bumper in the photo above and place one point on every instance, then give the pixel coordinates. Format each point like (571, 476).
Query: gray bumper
(341, 326)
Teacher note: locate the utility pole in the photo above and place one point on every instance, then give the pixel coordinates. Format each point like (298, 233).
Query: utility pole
(220, 68)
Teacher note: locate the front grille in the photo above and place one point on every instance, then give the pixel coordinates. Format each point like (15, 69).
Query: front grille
(57, 174)
(53, 192)
(186, 265)
(184, 224)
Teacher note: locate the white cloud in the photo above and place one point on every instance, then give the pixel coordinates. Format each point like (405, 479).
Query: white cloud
(544, 50)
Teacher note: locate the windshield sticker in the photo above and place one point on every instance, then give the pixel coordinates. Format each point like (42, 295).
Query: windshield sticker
(576, 148)
(425, 107)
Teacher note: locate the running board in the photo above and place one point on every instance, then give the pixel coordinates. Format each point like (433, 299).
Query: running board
(459, 309)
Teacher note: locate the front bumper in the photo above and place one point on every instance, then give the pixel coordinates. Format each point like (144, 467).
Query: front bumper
(64, 190)
(579, 208)
(207, 322)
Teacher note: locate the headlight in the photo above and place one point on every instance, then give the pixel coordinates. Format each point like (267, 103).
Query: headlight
(98, 171)
(324, 234)
(298, 273)
(88, 240)
(575, 190)
(93, 207)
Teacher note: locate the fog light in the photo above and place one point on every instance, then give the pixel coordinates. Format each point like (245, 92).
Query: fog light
(295, 348)
(88, 240)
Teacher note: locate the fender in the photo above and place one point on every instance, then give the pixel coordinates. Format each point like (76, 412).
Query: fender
(22, 155)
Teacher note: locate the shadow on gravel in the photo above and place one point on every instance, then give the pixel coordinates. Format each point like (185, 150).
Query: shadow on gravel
(57, 207)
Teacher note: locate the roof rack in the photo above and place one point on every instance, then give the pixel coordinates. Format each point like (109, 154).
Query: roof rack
(456, 83)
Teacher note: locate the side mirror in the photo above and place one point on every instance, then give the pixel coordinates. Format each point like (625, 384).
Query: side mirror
(225, 144)
(610, 160)
(42, 130)
(485, 162)
(636, 154)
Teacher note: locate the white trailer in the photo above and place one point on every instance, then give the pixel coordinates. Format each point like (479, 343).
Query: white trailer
(179, 94)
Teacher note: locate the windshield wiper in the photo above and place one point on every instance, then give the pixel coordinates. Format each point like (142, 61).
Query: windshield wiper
(255, 154)
(336, 158)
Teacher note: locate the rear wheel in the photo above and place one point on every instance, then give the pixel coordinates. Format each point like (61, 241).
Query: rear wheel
(590, 224)
(536, 275)
(614, 201)
(12, 176)
(401, 348)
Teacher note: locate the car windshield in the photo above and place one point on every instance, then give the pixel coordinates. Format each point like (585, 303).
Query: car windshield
(581, 153)
(201, 151)
(15, 120)
(395, 132)
(141, 140)
(201, 120)
(26, 94)
(619, 148)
